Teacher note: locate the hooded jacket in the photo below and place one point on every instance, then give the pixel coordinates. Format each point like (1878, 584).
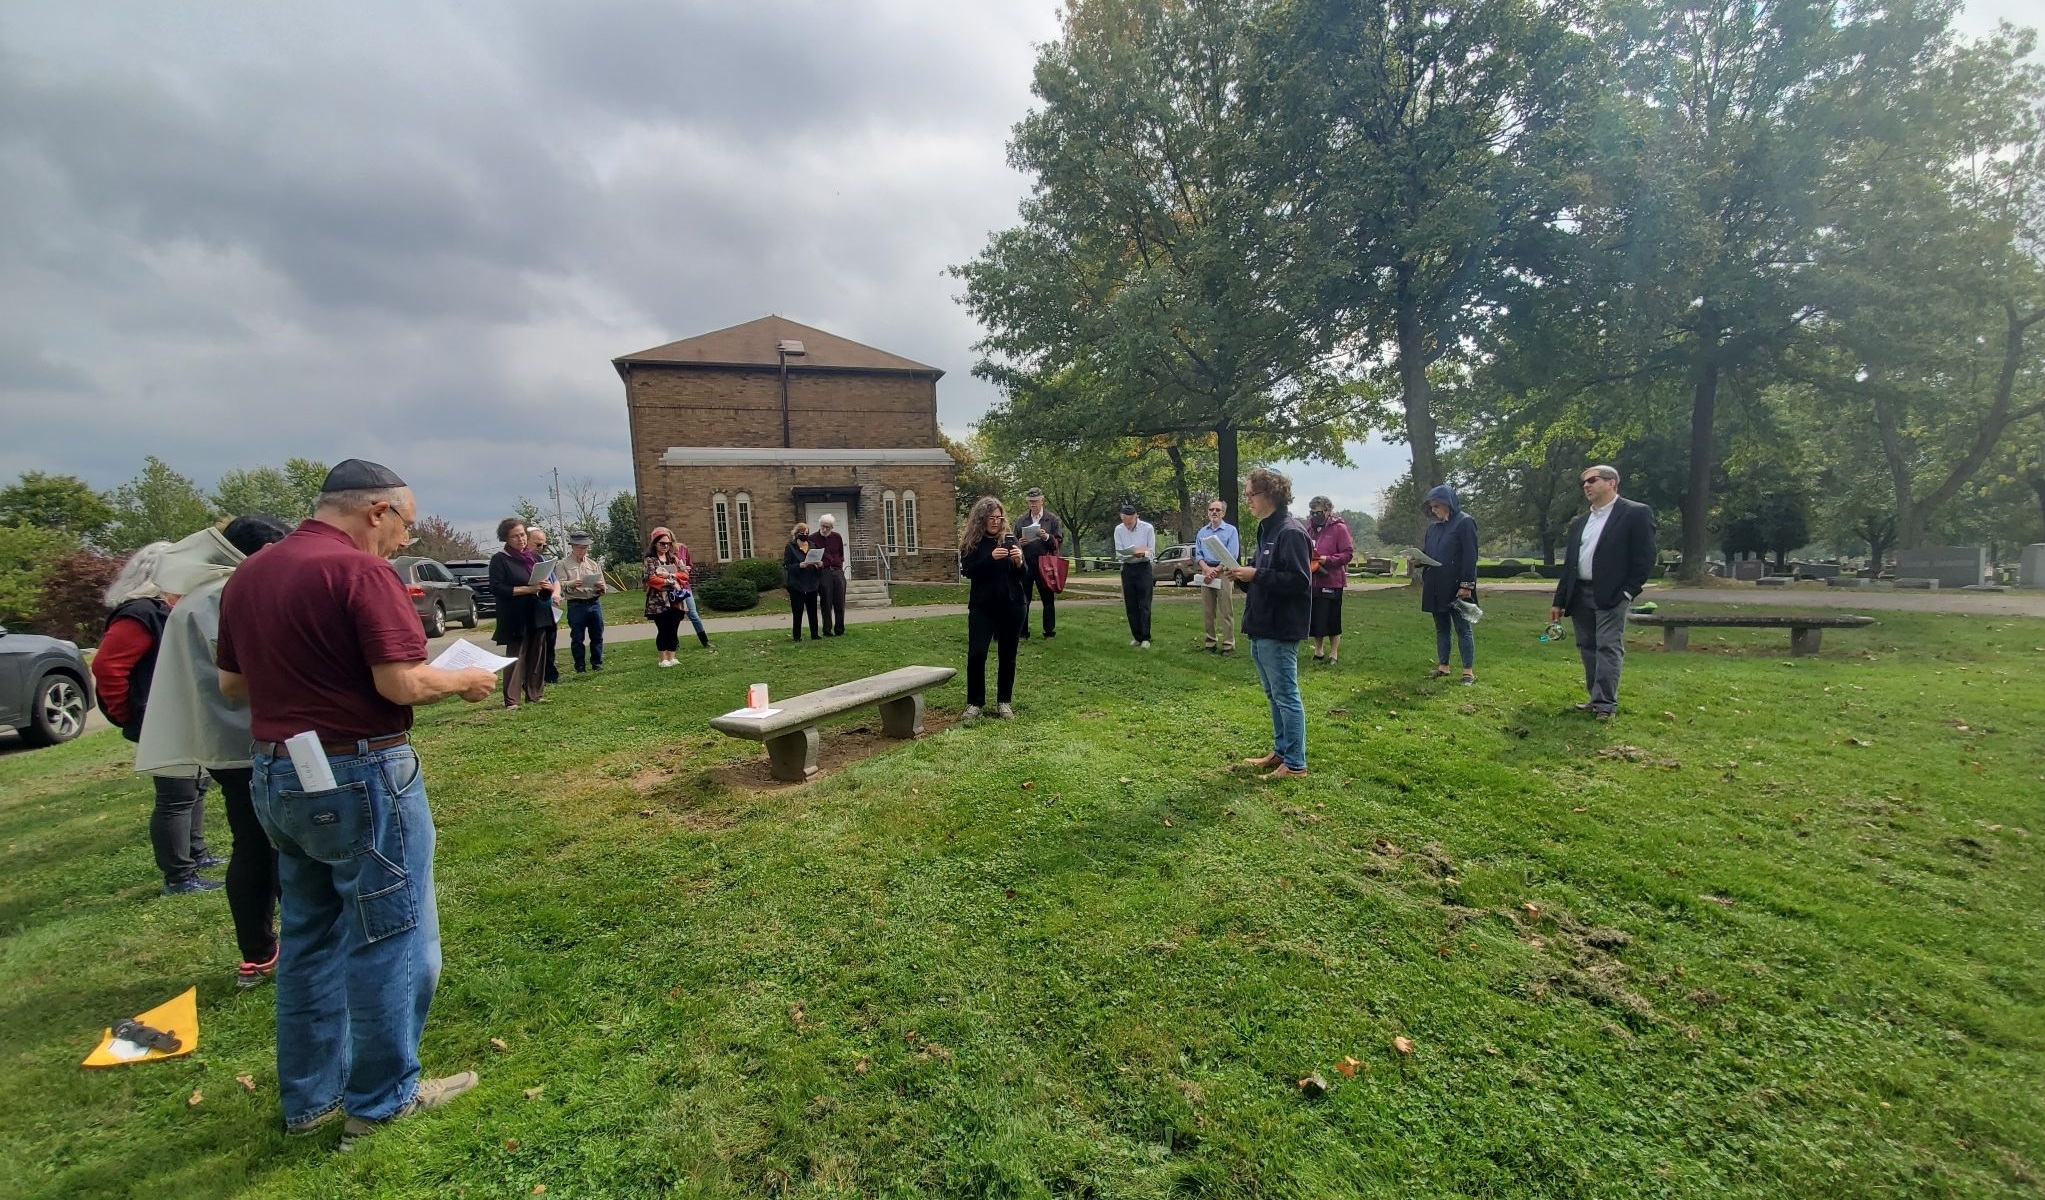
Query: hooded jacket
(1453, 544)
(1334, 547)
(190, 725)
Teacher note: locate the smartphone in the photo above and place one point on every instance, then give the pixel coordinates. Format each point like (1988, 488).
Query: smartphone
(1008, 539)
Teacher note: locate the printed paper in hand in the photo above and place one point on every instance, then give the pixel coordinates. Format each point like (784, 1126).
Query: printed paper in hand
(1216, 551)
(465, 654)
(816, 555)
(309, 759)
(543, 570)
(1422, 557)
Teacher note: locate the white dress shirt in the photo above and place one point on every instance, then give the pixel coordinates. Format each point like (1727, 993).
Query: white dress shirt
(1587, 542)
(1127, 539)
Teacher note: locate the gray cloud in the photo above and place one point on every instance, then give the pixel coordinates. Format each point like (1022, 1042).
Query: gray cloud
(420, 233)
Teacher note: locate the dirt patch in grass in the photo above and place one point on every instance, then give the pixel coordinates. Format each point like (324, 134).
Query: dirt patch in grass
(836, 750)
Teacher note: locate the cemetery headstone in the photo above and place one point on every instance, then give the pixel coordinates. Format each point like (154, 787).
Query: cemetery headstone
(2032, 573)
(1952, 566)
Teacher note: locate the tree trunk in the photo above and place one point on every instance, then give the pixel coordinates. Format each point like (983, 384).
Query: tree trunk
(1697, 492)
(1185, 494)
(1548, 540)
(1420, 434)
(2037, 483)
(1225, 468)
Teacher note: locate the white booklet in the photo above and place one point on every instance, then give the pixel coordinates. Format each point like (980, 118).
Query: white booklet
(464, 654)
(1421, 556)
(815, 555)
(543, 570)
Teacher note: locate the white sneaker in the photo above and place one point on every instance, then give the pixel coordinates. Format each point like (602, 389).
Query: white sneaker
(1005, 712)
(972, 713)
(1146, 645)
(1132, 641)
(669, 663)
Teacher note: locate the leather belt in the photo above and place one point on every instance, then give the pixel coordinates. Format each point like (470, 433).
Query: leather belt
(280, 750)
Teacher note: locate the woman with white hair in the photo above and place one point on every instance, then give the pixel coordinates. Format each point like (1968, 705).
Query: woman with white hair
(833, 572)
(122, 669)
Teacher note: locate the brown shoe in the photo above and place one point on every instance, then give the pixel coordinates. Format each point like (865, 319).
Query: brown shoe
(1268, 760)
(432, 1093)
(1285, 772)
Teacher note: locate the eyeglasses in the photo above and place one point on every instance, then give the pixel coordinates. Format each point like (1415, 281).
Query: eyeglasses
(663, 541)
(1591, 479)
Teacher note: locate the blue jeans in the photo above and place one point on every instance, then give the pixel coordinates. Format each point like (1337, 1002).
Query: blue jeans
(1466, 638)
(1278, 670)
(358, 933)
(586, 618)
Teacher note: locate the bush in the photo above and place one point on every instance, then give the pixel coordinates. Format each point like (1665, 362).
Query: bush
(72, 601)
(763, 573)
(27, 556)
(728, 594)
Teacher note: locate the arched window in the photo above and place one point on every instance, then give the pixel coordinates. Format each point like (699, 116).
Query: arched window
(720, 517)
(890, 536)
(745, 525)
(909, 521)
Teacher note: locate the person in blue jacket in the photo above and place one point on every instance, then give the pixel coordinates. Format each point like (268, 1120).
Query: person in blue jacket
(1451, 540)
(1277, 578)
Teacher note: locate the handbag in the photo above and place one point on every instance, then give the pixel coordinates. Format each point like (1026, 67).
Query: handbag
(1051, 570)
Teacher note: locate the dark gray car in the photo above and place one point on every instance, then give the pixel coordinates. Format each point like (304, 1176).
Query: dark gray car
(45, 690)
(436, 593)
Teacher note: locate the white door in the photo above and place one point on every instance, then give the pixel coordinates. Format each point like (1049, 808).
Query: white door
(813, 512)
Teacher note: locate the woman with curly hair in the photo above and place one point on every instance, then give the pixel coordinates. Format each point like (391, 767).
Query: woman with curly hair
(990, 558)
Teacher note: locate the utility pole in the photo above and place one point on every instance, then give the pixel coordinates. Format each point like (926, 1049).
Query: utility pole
(560, 525)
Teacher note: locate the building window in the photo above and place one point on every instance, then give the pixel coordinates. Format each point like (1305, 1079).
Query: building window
(720, 513)
(889, 540)
(745, 525)
(909, 521)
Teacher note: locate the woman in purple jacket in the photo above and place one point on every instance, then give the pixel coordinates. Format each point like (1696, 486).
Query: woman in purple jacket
(1333, 548)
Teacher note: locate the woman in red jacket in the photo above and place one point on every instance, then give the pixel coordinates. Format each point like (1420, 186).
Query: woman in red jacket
(122, 669)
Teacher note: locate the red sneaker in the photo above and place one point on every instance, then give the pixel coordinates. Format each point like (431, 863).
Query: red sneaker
(249, 974)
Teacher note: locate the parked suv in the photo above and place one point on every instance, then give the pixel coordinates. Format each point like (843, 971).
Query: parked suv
(476, 573)
(45, 690)
(436, 593)
(1178, 563)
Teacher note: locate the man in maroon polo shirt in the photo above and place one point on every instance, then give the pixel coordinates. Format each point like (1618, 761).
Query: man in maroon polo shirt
(317, 635)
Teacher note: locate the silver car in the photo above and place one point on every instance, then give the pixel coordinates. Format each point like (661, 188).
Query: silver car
(45, 690)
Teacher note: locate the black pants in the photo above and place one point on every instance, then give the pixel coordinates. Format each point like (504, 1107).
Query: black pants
(1033, 586)
(586, 620)
(251, 870)
(833, 600)
(550, 640)
(1002, 627)
(667, 628)
(177, 825)
(798, 604)
(1138, 582)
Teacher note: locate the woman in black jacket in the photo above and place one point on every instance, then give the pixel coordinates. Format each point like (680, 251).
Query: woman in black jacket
(1450, 540)
(802, 578)
(511, 573)
(990, 558)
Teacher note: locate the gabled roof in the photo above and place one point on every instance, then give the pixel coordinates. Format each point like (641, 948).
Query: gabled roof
(753, 345)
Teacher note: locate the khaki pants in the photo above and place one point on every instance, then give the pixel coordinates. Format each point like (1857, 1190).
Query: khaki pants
(1219, 604)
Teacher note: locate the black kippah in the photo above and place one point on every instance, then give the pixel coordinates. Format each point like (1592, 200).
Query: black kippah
(359, 474)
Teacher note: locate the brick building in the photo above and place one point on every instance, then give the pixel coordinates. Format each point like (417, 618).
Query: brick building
(740, 433)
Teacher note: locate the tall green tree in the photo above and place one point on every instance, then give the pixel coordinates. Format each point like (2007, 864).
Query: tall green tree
(157, 505)
(61, 502)
(624, 542)
(287, 493)
(1158, 284)
(1436, 141)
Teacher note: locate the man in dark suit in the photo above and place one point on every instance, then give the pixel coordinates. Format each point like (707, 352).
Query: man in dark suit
(1610, 555)
(1049, 537)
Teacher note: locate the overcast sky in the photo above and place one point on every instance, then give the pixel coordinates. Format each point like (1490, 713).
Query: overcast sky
(419, 232)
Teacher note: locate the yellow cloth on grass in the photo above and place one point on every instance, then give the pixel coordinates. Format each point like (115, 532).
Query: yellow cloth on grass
(178, 1015)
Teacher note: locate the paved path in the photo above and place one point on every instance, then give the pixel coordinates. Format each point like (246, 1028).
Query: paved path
(2014, 603)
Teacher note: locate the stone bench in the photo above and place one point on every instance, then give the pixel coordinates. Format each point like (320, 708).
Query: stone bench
(791, 731)
(1805, 629)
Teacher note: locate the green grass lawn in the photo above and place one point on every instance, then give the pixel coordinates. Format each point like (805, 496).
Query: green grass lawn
(1777, 931)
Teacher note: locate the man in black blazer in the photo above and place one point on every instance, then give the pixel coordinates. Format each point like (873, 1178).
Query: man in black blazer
(1610, 555)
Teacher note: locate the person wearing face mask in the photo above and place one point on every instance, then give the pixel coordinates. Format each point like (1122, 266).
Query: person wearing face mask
(1333, 548)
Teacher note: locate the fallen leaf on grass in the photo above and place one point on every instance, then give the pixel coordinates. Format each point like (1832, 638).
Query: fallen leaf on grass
(247, 1081)
(1854, 741)
(539, 1189)
(1314, 1085)
(500, 1045)
(1348, 1066)
(195, 1099)
(1168, 822)
(1030, 783)
(511, 1143)
(1126, 779)
(795, 1015)
(1532, 909)
(1720, 900)
(1403, 1044)
(533, 1093)
(1578, 810)
(862, 1066)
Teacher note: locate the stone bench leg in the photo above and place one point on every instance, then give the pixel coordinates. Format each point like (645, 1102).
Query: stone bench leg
(1675, 637)
(793, 755)
(902, 718)
(1803, 641)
